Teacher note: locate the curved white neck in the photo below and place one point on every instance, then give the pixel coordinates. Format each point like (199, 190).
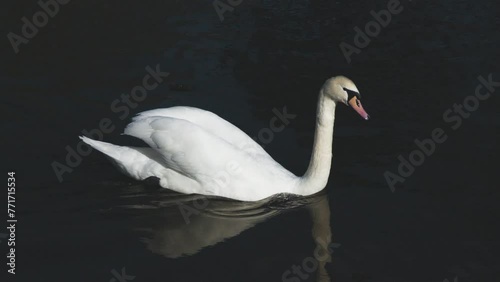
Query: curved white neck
(316, 176)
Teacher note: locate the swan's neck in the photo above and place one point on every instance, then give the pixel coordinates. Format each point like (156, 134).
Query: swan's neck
(316, 176)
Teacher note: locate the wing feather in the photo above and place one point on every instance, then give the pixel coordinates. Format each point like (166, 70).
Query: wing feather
(211, 123)
(206, 158)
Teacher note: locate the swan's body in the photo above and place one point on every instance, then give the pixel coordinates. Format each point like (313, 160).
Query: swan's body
(195, 151)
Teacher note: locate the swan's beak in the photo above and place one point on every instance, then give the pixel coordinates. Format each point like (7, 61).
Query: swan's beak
(356, 105)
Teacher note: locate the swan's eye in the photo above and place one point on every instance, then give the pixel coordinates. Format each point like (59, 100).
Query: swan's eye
(351, 93)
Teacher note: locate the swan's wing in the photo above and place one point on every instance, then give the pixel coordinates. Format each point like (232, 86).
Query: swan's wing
(211, 123)
(194, 152)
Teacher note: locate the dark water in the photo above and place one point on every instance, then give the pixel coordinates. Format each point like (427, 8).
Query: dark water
(441, 223)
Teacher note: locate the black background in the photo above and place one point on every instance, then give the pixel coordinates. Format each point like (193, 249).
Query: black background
(442, 222)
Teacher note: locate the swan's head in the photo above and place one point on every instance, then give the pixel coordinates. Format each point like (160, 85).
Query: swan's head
(342, 89)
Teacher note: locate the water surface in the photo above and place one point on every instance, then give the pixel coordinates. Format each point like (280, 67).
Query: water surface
(439, 224)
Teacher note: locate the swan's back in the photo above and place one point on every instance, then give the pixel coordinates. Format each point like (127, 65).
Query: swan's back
(211, 123)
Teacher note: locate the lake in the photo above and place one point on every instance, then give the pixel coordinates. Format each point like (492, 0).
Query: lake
(412, 195)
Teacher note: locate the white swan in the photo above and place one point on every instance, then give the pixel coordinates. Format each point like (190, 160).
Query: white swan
(194, 151)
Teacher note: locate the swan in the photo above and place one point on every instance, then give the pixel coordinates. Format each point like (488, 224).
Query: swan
(193, 151)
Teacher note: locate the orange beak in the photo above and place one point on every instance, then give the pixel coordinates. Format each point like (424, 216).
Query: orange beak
(356, 105)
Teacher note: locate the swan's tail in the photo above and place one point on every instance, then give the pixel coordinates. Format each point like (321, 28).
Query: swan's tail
(110, 150)
(134, 162)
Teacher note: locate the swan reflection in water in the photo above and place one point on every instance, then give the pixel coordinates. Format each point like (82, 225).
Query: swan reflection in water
(183, 225)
